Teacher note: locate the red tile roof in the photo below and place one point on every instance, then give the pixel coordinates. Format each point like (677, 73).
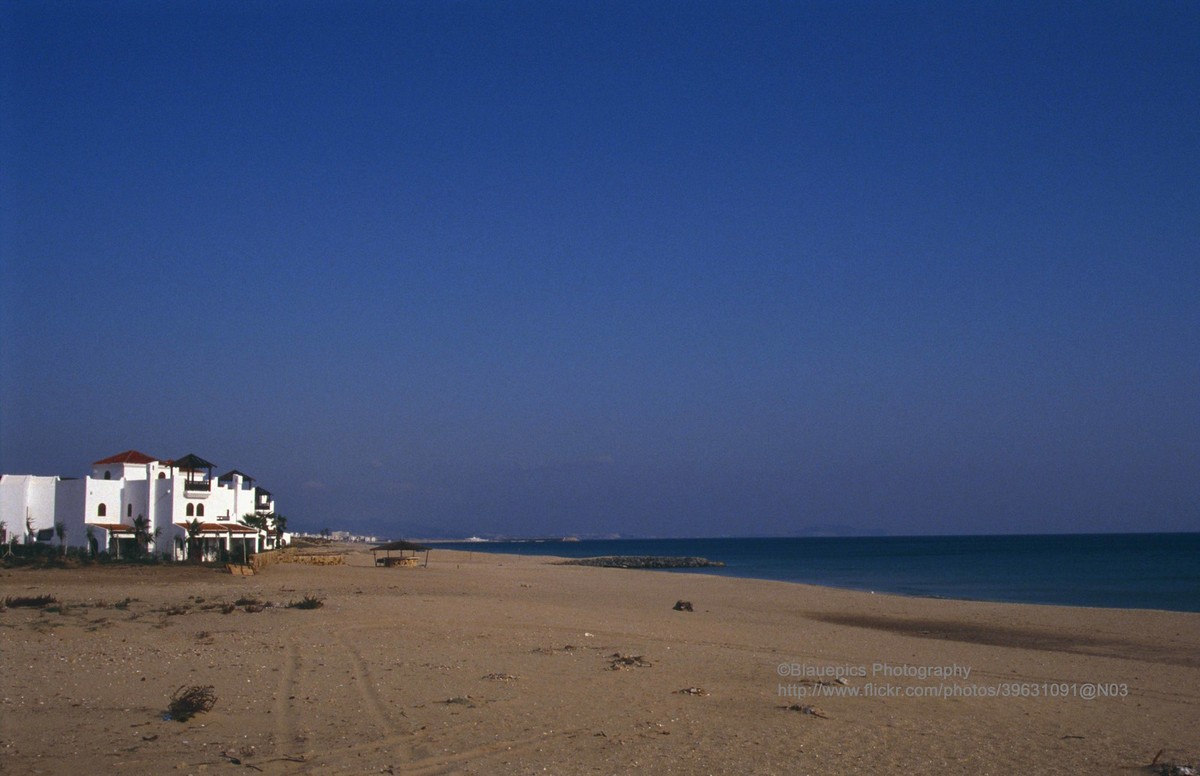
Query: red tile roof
(222, 528)
(129, 456)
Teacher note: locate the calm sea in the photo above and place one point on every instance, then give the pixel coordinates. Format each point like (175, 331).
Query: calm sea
(1131, 571)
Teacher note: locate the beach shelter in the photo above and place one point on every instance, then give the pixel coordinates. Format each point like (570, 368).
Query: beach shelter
(406, 553)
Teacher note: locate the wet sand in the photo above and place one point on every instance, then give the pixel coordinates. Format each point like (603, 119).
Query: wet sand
(501, 664)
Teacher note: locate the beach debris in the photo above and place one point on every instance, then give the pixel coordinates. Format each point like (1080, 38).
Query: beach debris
(459, 700)
(187, 702)
(31, 602)
(683, 606)
(1174, 765)
(692, 691)
(657, 728)
(804, 709)
(235, 760)
(1172, 769)
(822, 682)
(567, 648)
(307, 602)
(618, 661)
(500, 677)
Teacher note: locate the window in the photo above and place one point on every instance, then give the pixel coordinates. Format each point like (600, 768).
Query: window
(107, 475)
(191, 510)
(129, 510)
(101, 510)
(162, 475)
(199, 510)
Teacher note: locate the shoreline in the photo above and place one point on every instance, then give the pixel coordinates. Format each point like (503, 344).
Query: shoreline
(949, 573)
(722, 571)
(509, 663)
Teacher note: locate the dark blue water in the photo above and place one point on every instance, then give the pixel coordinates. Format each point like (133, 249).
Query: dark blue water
(1128, 571)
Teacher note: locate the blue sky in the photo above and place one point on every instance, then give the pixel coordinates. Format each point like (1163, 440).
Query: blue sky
(669, 269)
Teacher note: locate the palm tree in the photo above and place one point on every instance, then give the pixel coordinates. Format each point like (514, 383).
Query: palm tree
(60, 530)
(193, 540)
(280, 522)
(93, 545)
(141, 533)
(258, 523)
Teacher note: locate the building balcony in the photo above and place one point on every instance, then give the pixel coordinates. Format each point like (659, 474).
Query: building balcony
(197, 489)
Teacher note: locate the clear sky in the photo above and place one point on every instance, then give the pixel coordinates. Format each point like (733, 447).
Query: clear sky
(655, 268)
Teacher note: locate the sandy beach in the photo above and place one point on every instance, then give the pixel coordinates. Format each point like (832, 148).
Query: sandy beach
(500, 664)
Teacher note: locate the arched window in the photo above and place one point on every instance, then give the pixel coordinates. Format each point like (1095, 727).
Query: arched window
(101, 510)
(199, 510)
(162, 475)
(129, 510)
(107, 475)
(191, 510)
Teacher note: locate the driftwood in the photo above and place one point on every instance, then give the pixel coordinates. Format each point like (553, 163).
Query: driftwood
(810, 710)
(617, 661)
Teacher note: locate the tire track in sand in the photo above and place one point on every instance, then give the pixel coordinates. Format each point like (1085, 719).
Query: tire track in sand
(337, 759)
(452, 762)
(282, 710)
(375, 705)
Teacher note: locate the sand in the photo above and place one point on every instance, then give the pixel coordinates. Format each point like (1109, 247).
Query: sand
(501, 664)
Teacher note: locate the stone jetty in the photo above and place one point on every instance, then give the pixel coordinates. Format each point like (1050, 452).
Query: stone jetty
(643, 562)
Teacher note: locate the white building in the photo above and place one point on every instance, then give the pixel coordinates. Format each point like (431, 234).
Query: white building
(132, 499)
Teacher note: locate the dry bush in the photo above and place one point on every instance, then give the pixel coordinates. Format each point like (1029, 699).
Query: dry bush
(187, 702)
(31, 602)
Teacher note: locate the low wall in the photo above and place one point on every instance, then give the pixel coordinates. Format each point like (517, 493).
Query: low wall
(289, 555)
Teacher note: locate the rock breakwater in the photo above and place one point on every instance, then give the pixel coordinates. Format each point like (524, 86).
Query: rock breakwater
(644, 562)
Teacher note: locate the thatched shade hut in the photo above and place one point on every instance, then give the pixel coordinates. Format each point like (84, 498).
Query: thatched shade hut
(407, 553)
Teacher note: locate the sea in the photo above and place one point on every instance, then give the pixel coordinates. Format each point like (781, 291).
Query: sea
(1126, 571)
